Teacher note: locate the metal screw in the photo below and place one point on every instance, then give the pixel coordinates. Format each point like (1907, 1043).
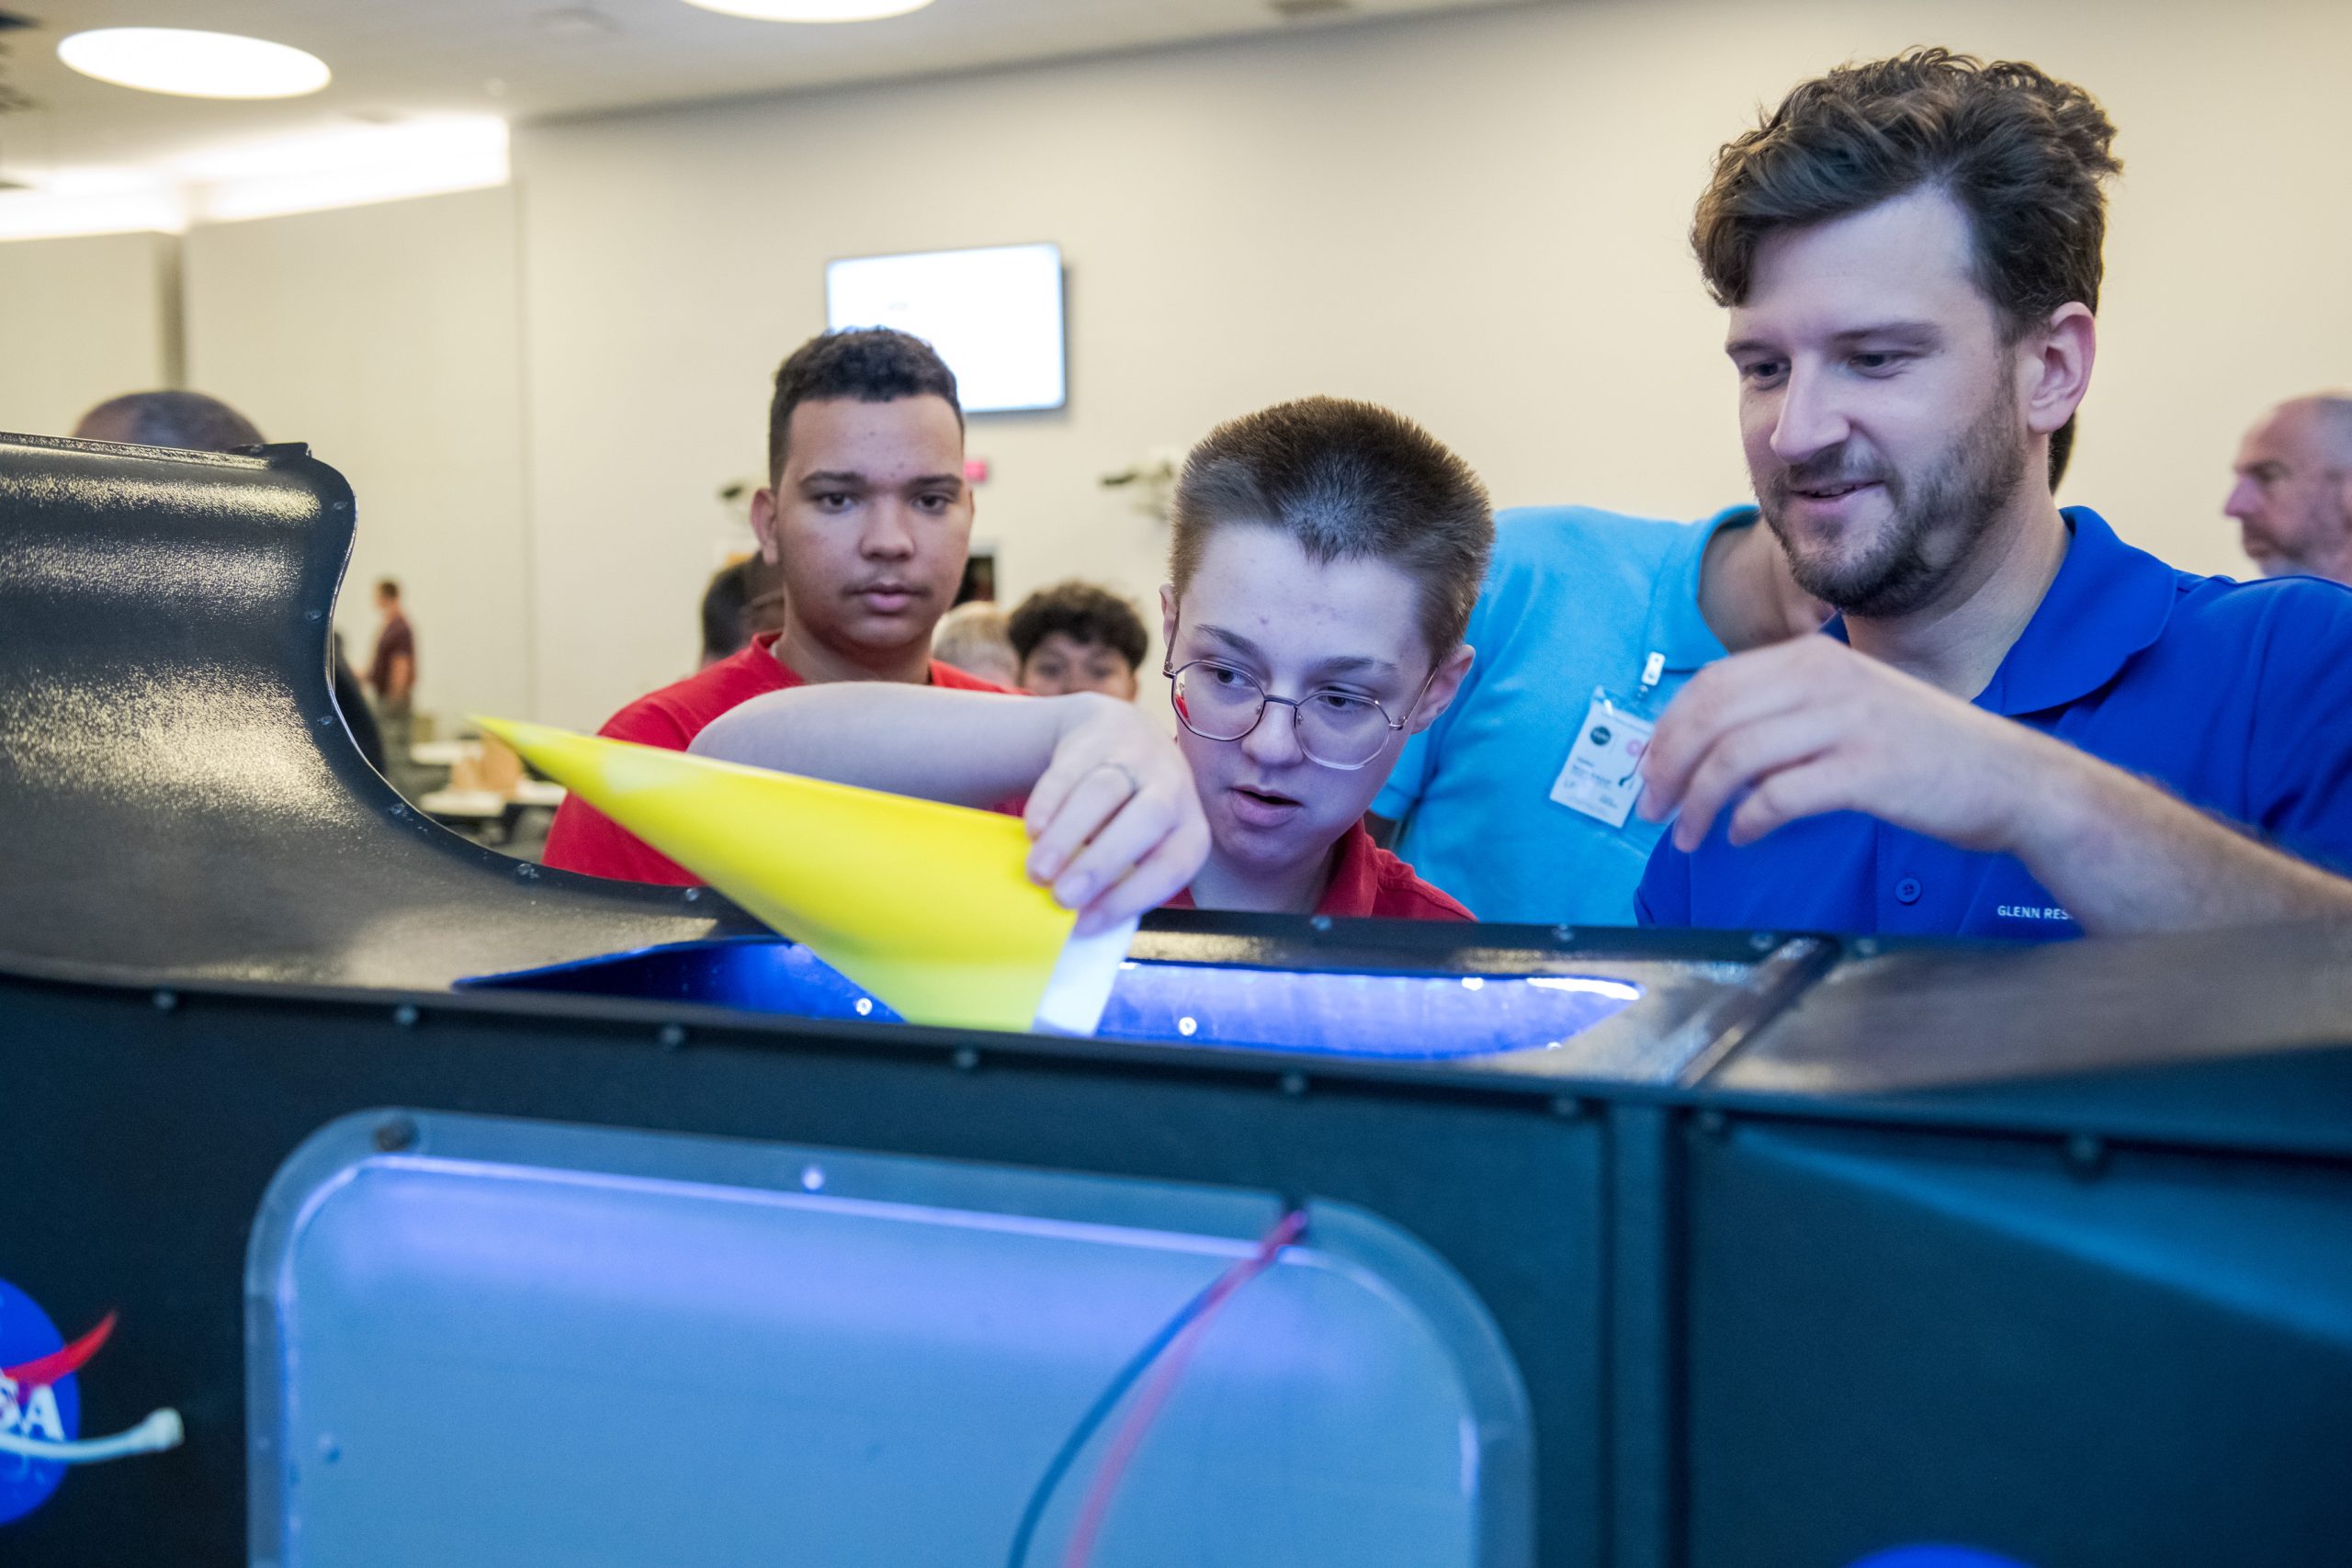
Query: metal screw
(812, 1178)
(309, 615)
(1763, 942)
(673, 1035)
(1866, 947)
(1713, 1124)
(965, 1058)
(1294, 1084)
(395, 1134)
(166, 1001)
(406, 1015)
(1565, 935)
(525, 870)
(692, 893)
(2086, 1154)
(1567, 1107)
(1320, 922)
(323, 720)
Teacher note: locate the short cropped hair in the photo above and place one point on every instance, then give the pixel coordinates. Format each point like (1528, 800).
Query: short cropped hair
(869, 365)
(1346, 482)
(971, 637)
(744, 598)
(2022, 153)
(190, 420)
(389, 587)
(1084, 613)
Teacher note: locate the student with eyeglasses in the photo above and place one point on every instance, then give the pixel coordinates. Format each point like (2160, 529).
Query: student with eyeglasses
(1324, 558)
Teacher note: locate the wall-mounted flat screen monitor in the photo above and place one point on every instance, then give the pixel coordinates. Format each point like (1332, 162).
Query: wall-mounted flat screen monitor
(995, 315)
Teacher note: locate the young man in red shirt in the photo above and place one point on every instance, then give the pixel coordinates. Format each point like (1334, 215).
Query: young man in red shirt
(867, 517)
(1324, 558)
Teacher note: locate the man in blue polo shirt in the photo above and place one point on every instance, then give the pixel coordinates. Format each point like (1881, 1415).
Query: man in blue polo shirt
(2018, 725)
(1588, 622)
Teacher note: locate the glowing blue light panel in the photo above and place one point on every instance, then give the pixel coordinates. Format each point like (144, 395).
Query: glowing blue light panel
(531, 1345)
(1403, 1017)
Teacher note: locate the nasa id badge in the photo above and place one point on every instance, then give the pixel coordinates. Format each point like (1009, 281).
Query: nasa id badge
(1602, 776)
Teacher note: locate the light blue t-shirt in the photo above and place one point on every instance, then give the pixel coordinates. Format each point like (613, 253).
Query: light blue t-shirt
(1576, 598)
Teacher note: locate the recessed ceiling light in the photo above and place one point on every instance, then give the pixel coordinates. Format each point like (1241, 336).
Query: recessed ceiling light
(812, 10)
(194, 64)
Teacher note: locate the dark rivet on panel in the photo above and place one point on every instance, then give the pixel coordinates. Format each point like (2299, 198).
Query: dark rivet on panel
(1294, 1084)
(309, 615)
(693, 894)
(1320, 922)
(1567, 1107)
(965, 1058)
(396, 1133)
(406, 1015)
(526, 870)
(2086, 1154)
(1763, 942)
(166, 1001)
(673, 1035)
(1713, 1124)
(1565, 935)
(1866, 947)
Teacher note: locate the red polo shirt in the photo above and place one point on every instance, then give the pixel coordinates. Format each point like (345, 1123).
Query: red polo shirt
(584, 838)
(1368, 880)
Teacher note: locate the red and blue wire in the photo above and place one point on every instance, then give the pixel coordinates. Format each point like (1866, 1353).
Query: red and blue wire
(1164, 1356)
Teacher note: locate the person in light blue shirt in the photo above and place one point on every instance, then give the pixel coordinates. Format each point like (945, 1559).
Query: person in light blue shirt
(1579, 606)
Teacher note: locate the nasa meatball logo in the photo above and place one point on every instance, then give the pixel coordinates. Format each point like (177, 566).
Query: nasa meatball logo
(1601, 735)
(40, 1403)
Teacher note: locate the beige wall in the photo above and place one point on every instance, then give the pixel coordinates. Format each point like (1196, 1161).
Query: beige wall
(386, 337)
(1479, 218)
(80, 321)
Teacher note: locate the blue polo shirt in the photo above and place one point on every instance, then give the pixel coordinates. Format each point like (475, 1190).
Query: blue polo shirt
(1575, 598)
(2235, 696)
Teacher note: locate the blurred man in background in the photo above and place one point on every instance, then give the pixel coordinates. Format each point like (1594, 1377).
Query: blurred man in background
(1075, 637)
(972, 638)
(391, 673)
(744, 599)
(2293, 495)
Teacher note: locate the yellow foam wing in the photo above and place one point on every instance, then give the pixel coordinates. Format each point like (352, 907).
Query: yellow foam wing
(926, 905)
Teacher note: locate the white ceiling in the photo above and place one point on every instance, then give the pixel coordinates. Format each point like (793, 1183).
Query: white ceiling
(531, 58)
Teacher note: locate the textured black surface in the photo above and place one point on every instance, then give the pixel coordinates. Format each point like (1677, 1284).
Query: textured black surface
(178, 794)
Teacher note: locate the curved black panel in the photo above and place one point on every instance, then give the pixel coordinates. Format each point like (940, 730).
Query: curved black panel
(177, 793)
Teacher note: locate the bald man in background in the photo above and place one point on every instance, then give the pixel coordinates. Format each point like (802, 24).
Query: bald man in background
(2293, 495)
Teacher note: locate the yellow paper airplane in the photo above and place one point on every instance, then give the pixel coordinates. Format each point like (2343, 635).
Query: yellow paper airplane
(927, 906)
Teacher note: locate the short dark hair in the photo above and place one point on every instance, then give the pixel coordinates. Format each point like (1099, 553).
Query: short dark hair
(1346, 482)
(2022, 153)
(190, 420)
(871, 365)
(1084, 614)
(738, 605)
(389, 587)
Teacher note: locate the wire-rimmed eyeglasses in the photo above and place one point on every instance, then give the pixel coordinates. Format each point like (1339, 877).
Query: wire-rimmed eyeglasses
(1339, 729)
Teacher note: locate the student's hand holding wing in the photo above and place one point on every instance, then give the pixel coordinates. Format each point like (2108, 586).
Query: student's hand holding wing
(1116, 823)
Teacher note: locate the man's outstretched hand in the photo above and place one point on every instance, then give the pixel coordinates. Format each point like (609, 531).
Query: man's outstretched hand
(1809, 726)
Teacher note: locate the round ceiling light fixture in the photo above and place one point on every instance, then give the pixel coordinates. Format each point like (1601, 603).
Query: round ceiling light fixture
(192, 65)
(811, 10)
